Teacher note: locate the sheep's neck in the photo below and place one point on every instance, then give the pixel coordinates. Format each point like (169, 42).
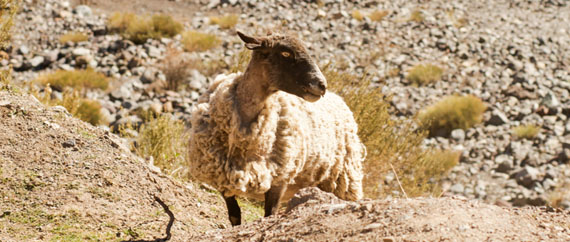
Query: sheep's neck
(251, 92)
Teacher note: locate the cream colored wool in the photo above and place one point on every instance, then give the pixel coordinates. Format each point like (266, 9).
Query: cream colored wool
(292, 142)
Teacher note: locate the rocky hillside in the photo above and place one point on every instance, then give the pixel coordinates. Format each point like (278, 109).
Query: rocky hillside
(62, 177)
(512, 54)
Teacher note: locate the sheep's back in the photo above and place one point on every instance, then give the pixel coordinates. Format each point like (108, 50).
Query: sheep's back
(325, 148)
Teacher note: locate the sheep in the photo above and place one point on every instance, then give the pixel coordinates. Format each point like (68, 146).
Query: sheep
(274, 129)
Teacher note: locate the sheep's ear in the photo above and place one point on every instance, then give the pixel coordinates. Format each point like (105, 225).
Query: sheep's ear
(251, 43)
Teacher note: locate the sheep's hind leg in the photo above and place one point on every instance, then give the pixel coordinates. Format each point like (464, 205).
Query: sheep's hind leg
(233, 210)
(272, 199)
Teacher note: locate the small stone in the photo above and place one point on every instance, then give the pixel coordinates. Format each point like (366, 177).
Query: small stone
(527, 176)
(550, 100)
(156, 108)
(23, 50)
(564, 156)
(152, 51)
(458, 135)
(83, 11)
(69, 143)
(457, 188)
(37, 61)
(80, 51)
(498, 118)
(505, 163)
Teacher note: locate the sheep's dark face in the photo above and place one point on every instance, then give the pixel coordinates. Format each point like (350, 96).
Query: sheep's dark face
(288, 65)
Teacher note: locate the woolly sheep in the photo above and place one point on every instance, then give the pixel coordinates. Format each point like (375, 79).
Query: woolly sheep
(250, 137)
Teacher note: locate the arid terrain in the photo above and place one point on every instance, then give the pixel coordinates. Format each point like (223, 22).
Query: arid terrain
(63, 179)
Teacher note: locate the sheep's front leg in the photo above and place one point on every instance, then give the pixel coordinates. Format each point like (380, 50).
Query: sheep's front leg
(233, 210)
(272, 199)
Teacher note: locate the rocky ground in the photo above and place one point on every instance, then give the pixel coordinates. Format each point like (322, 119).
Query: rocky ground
(514, 55)
(317, 216)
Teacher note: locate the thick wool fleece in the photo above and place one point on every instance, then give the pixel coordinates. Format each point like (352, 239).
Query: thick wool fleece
(292, 142)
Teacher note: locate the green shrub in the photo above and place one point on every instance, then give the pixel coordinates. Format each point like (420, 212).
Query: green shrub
(73, 37)
(452, 112)
(166, 140)
(226, 21)
(378, 15)
(526, 131)
(424, 74)
(76, 79)
(389, 142)
(139, 29)
(196, 41)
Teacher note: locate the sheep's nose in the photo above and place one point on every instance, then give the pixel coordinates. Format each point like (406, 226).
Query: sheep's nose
(322, 85)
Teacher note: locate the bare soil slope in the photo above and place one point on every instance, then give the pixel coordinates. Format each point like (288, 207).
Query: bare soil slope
(63, 179)
(319, 216)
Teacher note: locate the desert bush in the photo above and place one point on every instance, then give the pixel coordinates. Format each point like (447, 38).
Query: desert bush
(526, 131)
(391, 144)
(559, 195)
(140, 28)
(79, 107)
(424, 74)
(176, 68)
(356, 14)
(166, 140)
(416, 16)
(240, 61)
(7, 12)
(452, 112)
(378, 15)
(196, 41)
(76, 79)
(74, 37)
(226, 21)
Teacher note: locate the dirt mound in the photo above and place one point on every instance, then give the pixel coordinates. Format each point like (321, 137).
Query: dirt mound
(318, 216)
(63, 179)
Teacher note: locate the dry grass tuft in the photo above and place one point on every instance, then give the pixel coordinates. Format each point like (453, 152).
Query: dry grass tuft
(389, 142)
(526, 131)
(452, 112)
(166, 140)
(416, 16)
(356, 14)
(226, 21)
(76, 79)
(241, 61)
(9, 8)
(559, 195)
(74, 37)
(139, 29)
(424, 74)
(196, 41)
(82, 108)
(378, 15)
(176, 68)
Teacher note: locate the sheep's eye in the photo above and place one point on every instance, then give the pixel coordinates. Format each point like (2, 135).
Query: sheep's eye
(285, 54)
